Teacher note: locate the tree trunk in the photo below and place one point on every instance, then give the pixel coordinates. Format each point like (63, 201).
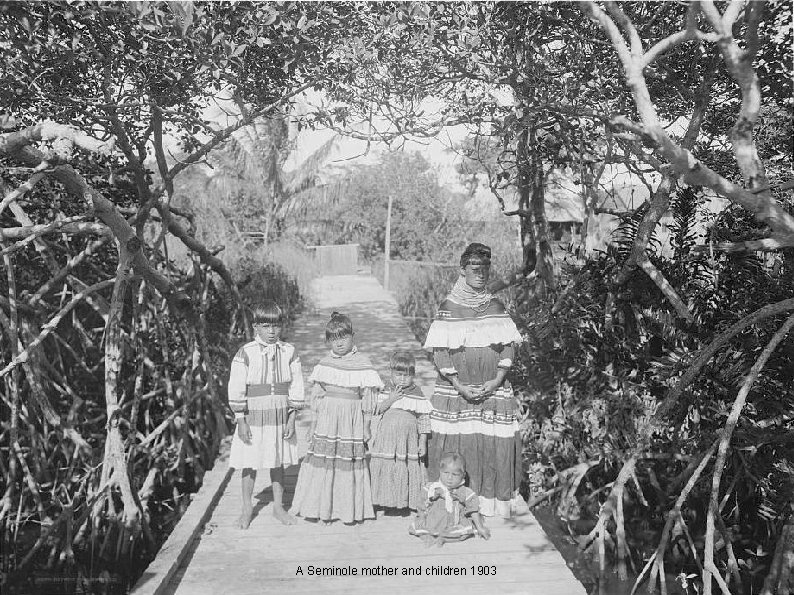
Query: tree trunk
(545, 263)
(524, 194)
(114, 467)
(780, 580)
(588, 204)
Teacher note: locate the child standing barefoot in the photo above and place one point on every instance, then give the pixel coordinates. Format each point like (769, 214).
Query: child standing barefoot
(450, 511)
(265, 389)
(400, 444)
(333, 482)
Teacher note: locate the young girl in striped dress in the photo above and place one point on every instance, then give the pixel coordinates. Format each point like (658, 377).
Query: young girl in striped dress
(400, 443)
(265, 390)
(333, 482)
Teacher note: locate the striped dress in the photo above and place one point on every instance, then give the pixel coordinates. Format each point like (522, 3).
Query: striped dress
(333, 482)
(265, 381)
(397, 474)
(474, 345)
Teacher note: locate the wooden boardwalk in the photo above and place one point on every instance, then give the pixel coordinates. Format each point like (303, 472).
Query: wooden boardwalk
(374, 557)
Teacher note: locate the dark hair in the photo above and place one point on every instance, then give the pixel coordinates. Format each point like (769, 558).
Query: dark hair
(454, 458)
(268, 312)
(403, 361)
(338, 326)
(475, 250)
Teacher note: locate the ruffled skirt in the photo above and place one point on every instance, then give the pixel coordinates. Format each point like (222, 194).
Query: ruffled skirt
(394, 465)
(333, 482)
(487, 435)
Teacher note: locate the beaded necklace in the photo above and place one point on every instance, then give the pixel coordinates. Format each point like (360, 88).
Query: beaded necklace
(463, 294)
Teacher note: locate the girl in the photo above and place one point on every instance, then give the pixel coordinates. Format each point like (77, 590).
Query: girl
(333, 482)
(449, 511)
(401, 440)
(265, 389)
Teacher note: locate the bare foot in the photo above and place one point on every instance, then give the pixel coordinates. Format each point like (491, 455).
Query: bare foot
(244, 521)
(327, 523)
(282, 515)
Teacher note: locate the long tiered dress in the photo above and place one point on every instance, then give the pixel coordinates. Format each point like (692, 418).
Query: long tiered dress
(474, 345)
(394, 464)
(265, 381)
(333, 482)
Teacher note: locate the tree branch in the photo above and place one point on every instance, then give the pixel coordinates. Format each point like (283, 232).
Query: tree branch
(664, 285)
(690, 32)
(776, 242)
(708, 352)
(88, 251)
(53, 322)
(29, 233)
(222, 135)
(20, 192)
(722, 452)
(628, 27)
(696, 173)
(105, 211)
(13, 142)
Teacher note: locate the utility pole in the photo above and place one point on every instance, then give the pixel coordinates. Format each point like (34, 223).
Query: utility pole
(387, 247)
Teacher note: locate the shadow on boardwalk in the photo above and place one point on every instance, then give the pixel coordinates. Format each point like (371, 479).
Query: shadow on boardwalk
(377, 556)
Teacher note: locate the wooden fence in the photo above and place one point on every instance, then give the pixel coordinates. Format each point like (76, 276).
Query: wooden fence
(337, 259)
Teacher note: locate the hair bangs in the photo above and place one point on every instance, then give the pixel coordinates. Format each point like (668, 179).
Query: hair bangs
(403, 361)
(338, 327)
(267, 313)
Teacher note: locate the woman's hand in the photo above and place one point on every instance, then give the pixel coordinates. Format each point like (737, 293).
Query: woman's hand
(244, 430)
(490, 386)
(470, 393)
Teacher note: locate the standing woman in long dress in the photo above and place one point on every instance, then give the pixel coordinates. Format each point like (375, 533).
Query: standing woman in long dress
(474, 411)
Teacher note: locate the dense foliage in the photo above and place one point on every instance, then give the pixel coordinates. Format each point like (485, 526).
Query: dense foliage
(591, 390)
(114, 353)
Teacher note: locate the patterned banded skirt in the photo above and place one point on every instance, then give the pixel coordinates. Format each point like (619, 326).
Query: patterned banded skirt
(487, 435)
(267, 418)
(333, 482)
(397, 477)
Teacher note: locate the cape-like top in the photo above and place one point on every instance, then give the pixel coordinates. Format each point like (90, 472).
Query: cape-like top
(413, 400)
(352, 370)
(458, 326)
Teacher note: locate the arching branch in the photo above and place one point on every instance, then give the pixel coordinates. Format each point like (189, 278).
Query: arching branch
(721, 340)
(709, 569)
(50, 326)
(16, 146)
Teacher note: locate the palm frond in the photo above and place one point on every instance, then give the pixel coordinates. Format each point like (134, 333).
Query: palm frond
(305, 176)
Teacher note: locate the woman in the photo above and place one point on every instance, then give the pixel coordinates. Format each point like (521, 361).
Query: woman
(474, 409)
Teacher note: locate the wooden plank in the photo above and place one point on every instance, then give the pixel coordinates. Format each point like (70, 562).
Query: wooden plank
(157, 575)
